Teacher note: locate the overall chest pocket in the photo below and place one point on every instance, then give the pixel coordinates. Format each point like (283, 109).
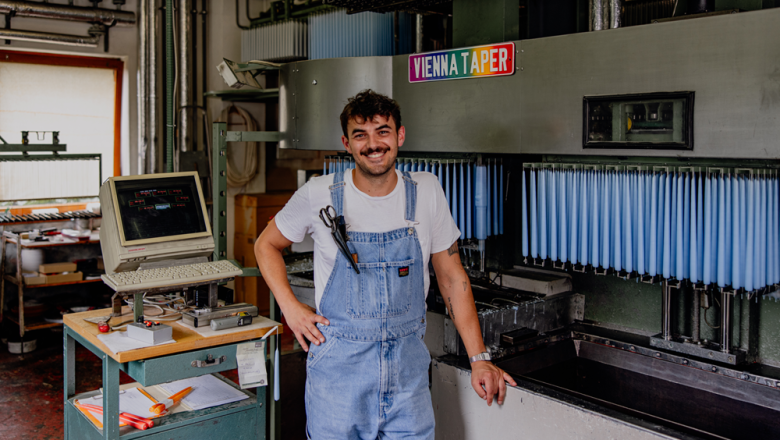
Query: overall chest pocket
(381, 290)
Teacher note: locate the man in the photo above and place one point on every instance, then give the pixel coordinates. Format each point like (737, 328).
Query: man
(367, 368)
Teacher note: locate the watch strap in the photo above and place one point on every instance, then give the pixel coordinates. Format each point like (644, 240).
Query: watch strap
(484, 356)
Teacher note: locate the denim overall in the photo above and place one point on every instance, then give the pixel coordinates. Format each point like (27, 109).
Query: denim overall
(369, 379)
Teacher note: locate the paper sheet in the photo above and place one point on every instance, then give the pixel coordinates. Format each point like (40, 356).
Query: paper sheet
(251, 364)
(207, 391)
(118, 342)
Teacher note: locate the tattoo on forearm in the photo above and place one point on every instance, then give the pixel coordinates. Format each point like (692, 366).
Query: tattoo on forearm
(452, 313)
(464, 286)
(453, 249)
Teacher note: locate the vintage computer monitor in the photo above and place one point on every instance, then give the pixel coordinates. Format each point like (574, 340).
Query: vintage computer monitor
(153, 217)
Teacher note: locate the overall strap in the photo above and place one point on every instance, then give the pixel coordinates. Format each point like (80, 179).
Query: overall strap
(411, 196)
(337, 192)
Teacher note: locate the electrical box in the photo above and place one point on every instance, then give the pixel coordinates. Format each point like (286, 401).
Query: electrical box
(639, 121)
(153, 334)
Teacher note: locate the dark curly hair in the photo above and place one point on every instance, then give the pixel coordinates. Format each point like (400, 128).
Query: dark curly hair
(367, 104)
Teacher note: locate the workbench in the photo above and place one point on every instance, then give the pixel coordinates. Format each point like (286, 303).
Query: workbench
(149, 366)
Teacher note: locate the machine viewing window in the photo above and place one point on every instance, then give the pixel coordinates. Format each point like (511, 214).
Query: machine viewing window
(661, 121)
(160, 208)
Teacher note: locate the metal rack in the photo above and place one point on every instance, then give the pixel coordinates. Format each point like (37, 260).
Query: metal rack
(220, 137)
(18, 279)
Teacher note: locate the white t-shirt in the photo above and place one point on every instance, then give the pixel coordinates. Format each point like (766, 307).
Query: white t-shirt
(436, 229)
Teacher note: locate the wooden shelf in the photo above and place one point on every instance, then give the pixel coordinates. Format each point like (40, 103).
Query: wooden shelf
(44, 244)
(33, 324)
(34, 286)
(245, 95)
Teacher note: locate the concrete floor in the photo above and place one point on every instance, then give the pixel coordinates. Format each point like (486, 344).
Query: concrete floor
(31, 399)
(31, 387)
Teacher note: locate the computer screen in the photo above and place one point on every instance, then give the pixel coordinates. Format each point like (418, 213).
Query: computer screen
(159, 207)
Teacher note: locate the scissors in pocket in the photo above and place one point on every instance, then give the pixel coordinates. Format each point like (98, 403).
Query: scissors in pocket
(338, 231)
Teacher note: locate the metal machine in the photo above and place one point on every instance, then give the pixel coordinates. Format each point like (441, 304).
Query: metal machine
(637, 351)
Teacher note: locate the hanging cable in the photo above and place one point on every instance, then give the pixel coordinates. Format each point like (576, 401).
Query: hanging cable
(240, 177)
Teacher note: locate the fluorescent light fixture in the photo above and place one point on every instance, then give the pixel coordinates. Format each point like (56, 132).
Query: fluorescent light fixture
(238, 75)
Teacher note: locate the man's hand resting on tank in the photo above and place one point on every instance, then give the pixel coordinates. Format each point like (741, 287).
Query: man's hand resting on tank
(487, 380)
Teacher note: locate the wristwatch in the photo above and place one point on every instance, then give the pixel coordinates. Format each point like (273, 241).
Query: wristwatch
(484, 356)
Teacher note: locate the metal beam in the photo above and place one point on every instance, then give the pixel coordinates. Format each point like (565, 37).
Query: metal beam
(33, 147)
(107, 17)
(253, 136)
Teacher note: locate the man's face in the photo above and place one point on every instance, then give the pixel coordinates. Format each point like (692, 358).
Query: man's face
(373, 144)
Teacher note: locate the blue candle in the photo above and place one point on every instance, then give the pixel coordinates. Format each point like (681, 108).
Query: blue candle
(618, 221)
(605, 219)
(553, 218)
(641, 268)
(496, 195)
(468, 201)
(534, 224)
(654, 226)
(501, 192)
(524, 218)
(461, 206)
(543, 226)
(749, 242)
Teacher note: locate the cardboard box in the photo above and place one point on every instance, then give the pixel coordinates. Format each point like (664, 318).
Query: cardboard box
(40, 279)
(252, 290)
(33, 279)
(254, 211)
(64, 278)
(57, 267)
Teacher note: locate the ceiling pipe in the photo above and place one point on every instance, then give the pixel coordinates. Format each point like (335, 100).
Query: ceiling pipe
(46, 37)
(67, 12)
(143, 87)
(418, 33)
(184, 70)
(152, 86)
(604, 14)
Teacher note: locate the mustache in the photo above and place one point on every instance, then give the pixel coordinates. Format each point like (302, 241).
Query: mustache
(368, 151)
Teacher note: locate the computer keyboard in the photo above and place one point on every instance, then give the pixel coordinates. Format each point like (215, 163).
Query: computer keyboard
(171, 276)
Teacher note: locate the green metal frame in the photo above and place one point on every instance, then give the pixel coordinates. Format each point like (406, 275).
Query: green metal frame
(220, 137)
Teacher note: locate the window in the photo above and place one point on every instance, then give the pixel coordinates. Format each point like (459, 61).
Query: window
(78, 96)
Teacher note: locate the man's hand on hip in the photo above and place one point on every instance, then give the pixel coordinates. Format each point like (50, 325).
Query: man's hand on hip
(487, 380)
(303, 320)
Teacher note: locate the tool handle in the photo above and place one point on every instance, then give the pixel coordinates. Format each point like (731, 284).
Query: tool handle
(136, 423)
(131, 419)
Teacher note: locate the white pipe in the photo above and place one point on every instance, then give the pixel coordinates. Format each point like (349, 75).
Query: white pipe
(185, 35)
(143, 76)
(152, 62)
(47, 37)
(67, 12)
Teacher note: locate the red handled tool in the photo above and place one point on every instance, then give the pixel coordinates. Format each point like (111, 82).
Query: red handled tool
(131, 419)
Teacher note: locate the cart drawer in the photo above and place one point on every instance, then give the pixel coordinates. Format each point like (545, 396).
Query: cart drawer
(181, 366)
